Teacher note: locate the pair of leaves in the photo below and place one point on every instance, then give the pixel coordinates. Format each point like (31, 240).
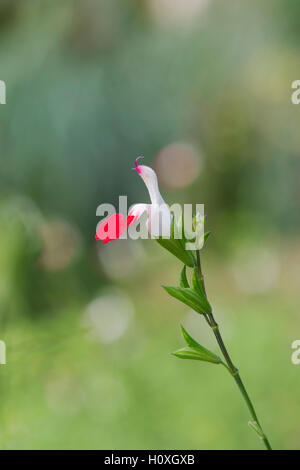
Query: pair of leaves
(176, 246)
(194, 297)
(190, 298)
(195, 351)
(197, 284)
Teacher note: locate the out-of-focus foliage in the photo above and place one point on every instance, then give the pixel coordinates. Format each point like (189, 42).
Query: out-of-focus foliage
(203, 90)
(92, 84)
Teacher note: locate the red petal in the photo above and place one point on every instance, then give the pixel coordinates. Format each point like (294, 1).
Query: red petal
(113, 227)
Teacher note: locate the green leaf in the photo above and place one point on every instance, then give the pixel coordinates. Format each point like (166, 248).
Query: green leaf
(255, 426)
(193, 344)
(189, 297)
(192, 353)
(206, 235)
(175, 247)
(189, 340)
(183, 282)
(196, 284)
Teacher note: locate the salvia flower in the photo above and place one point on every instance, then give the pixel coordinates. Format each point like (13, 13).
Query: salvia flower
(159, 220)
(159, 216)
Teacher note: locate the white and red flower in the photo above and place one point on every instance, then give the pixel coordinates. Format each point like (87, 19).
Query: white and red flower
(159, 216)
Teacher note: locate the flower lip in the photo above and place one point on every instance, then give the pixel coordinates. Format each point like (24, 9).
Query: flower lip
(137, 168)
(113, 227)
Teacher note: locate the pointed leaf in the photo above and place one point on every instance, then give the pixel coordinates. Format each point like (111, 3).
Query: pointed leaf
(189, 340)
(206, 235)
(197, 284)
(189, 297)
(193, 344)
(175, 247)
(183, 279)
(255, 426)
(192, 353)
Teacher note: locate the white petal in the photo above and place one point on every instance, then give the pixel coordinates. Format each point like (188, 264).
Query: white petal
(159, 220)
(159, 216)
(137, 210)
(150, 179)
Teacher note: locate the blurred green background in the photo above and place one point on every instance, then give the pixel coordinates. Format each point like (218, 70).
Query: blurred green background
(201, 88)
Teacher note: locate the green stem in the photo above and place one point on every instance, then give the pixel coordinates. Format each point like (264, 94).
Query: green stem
(230, 366)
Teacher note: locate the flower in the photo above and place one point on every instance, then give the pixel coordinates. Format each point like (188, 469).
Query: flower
(159, 216)
(160, 223)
